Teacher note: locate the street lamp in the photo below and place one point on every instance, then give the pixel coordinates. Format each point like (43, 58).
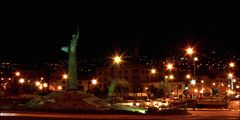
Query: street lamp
(231, 64)
(153, 71)
(37, 83)
(191, 51)
(59, 87)
(188, 76)
(21, 81)
(17, 73)
(171, 77)
(117, 59)
(91, 86)
(40, 87)
(230, 75)
(45, 85)
(193, 83)
(194, 60)
(65, 76)
(170, 66)
(94, 81)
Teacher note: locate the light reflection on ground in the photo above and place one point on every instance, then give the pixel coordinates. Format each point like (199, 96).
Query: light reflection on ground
(7, 114)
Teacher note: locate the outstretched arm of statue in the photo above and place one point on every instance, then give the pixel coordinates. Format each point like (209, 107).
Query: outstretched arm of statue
(65, 49)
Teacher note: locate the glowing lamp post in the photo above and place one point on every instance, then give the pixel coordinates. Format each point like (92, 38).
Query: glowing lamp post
(59, 87)
(40, 87)
(193, 83)
(194, 69)
(153, 71)
(190, 52)
(17, 73)
(170, 66)
(21, 81)
(188, 76)
(230, 75)
(65, 76)
(231, 64)
(171, 77)
(117, 59)
(37, 83)
(45, 85)
(94, 81)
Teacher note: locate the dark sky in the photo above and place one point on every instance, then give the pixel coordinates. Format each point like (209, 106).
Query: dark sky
(36, 34)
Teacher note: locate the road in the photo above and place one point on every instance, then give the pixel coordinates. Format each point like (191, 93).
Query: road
(196, 115)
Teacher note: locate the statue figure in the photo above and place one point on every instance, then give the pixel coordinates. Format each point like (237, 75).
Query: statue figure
(72, 63)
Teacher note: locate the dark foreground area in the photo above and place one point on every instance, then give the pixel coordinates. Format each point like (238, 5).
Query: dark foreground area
(196, 115)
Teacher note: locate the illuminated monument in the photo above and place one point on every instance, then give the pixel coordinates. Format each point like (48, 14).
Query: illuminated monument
(72, 62)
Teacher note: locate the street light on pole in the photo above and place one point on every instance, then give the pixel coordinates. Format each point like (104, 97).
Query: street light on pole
(170, 66)
(171, 76)
(153, 71)
(231, 64)
(116, 61)
(65, 76)
(21, 81)
(93, 86)
(230, 75)
(188, 76)
(194, 74)
(94, 81)
(190, 51)
(17, 73)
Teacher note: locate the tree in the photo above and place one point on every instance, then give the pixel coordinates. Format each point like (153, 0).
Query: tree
(122, 86)
(164, 89)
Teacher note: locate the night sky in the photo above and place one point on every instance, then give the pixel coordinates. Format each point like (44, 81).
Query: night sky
(39, 35)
